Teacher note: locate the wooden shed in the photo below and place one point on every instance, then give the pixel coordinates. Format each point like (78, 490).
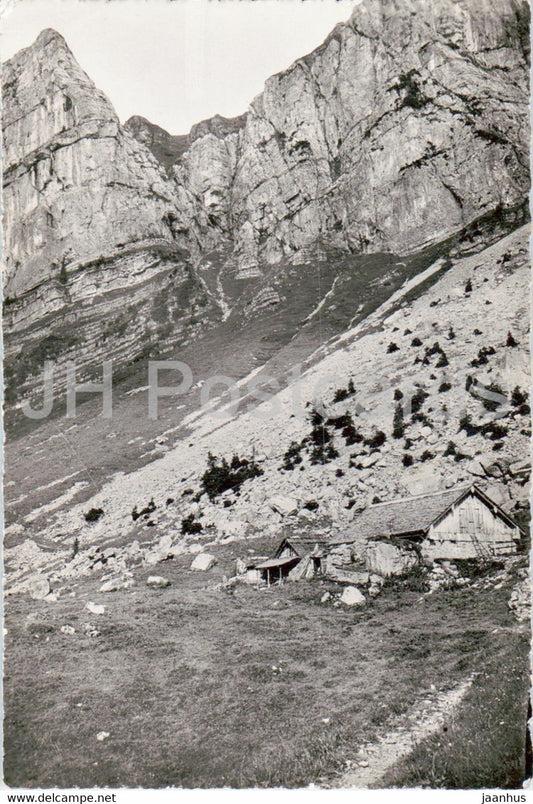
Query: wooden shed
(457, 523)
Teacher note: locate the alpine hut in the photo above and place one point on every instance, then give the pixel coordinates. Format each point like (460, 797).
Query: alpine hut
(457, 523)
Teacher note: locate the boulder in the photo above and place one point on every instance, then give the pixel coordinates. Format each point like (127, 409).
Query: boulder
(157, 581)
(156, 556)
(499, 493)
(351, 596)
(68, 630)
(165, 543)
(339, 556)
(345, 576)
(116, 584)
(422, 480)
(38, 587)
(195, 548)
(520, 468)
(475, 468)
(385, 559)
(95, 608)
(203, 562)
(283, 505)
(369, 460)
(491, 467)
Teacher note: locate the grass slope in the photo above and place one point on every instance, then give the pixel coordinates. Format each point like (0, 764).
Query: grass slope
(187, 682)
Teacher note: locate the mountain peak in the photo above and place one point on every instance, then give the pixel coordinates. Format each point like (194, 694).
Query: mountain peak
(48, 35)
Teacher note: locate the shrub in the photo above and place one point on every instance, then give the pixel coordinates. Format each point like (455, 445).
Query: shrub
(292, 456)
(343, 393)
(311, 505)
(351, 435)
(477, 332)
(434, 350)
(189, 525)
(392, 347)
(519, 400)
(319, 435)
(407, 459)
(416, 342)
(407, 331)
(451, 450)
(144, 511)
(482, 356)
(221, 476)
(398, 395)
(444, 386)
(494, 431)
(410, 84)
(442, 361)
(468, 286)
(469, 382)
(376, 439)
(415, 580)
(340, 422)
(451, 334)
(418, 399)
(398, 426)
(427, 455)
(510, 340)
(465, 423)
(94, 514)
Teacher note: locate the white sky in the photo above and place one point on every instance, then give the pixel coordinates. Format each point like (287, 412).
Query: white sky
(177, 62)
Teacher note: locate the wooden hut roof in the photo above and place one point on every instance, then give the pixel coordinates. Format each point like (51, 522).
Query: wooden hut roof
(305, 545)
(276, 562)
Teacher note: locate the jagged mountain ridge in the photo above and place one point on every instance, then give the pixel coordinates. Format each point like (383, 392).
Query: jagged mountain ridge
(408, 123)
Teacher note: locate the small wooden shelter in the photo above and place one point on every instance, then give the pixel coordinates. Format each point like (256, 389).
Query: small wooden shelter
(295, 558)
(457, 523)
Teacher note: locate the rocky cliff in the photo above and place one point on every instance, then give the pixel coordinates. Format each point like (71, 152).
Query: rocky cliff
(94, 228)
(407, 124)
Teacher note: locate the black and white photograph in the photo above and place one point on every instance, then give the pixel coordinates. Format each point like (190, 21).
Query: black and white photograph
(266, 395)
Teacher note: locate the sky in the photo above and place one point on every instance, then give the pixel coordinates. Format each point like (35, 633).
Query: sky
(177, 62)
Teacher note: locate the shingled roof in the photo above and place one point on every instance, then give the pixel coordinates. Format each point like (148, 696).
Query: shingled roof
(407, 515)
(304, 545)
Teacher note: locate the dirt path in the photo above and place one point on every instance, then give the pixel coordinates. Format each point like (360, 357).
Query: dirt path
(426, 718)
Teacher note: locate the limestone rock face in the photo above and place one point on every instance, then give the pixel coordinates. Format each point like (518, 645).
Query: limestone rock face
(388, 135)
(77, 186)
(94, 227)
